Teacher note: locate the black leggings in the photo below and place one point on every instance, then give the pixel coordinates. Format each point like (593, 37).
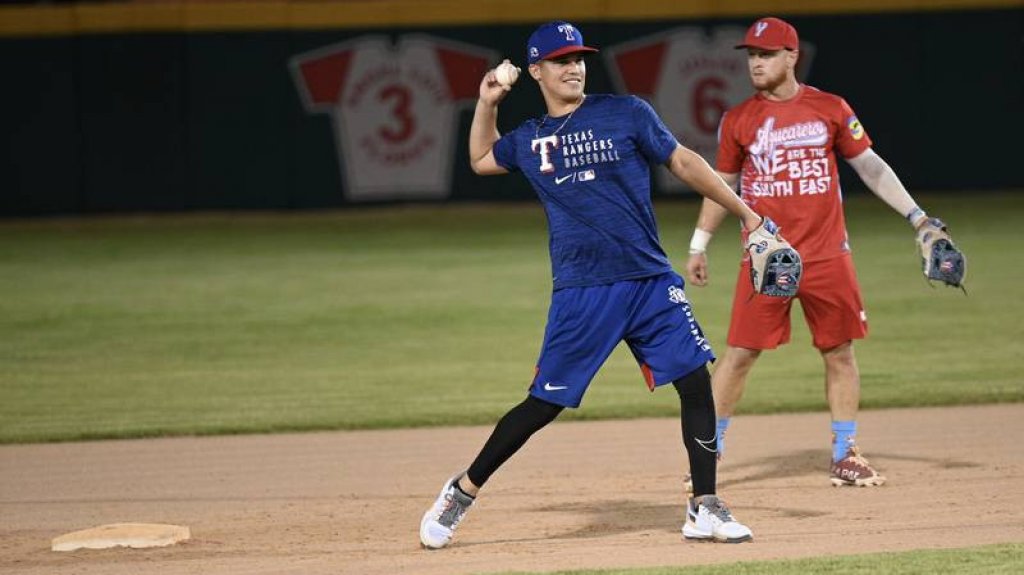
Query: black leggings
(697, 412)
(512, 431)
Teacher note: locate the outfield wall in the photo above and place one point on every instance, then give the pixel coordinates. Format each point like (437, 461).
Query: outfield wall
(295, 105)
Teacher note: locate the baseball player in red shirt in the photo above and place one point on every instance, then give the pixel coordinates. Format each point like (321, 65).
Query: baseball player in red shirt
(780, 145)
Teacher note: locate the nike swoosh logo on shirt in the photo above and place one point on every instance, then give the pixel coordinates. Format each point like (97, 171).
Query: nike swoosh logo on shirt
(562, 179)
(549, 387)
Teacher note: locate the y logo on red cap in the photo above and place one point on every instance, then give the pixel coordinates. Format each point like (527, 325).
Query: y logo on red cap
(761, 27)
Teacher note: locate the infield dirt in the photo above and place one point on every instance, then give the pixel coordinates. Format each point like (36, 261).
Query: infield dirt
(580, 495)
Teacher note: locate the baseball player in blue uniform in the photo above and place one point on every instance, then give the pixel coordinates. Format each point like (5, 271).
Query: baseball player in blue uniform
(589, 160)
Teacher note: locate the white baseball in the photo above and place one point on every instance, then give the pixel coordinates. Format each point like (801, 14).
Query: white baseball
(506, 74)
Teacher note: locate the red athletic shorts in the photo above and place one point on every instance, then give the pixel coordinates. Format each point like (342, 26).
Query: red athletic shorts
(829, 296)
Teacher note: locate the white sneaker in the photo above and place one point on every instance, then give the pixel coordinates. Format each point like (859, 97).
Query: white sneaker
(439, 522)
(711, 520)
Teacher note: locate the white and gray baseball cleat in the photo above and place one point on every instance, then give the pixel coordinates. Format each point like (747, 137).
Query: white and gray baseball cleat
(439, 522)
(710, 520)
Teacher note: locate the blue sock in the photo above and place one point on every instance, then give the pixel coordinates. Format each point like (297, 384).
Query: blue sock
(720, 427)
(843, 433)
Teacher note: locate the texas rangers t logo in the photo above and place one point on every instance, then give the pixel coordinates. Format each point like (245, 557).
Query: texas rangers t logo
(543, 146)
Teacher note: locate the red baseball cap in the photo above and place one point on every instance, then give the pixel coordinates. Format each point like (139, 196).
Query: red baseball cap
(771, 34)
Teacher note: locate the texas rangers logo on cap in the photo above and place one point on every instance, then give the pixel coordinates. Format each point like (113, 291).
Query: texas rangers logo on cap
(554, 39)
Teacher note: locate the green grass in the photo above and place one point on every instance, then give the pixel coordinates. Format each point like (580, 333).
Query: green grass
(988, 560)
(429, 315)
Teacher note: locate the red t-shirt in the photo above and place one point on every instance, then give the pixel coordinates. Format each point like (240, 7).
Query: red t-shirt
(785, 155)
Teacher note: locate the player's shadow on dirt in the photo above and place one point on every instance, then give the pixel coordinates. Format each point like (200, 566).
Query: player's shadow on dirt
(774, 467)
(605, 519)
(615, 517)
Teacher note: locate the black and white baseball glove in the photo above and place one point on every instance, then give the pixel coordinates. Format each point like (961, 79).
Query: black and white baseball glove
(775, 267)
(940, 258)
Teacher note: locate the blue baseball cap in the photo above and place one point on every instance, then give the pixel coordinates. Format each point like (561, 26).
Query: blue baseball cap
(554, 39)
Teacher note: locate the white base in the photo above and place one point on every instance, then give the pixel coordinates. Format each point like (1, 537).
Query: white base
(135, 535)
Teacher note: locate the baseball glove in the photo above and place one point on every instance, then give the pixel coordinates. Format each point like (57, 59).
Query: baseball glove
(940, 258)
(775, 267)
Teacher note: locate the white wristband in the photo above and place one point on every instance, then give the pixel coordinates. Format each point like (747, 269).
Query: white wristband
(916, 216)
(699, 241)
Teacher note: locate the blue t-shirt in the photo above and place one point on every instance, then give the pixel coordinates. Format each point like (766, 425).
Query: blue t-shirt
(592, 174)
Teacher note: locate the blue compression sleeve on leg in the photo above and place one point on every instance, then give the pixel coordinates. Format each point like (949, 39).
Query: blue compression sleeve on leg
(843, 433)
(720, 427)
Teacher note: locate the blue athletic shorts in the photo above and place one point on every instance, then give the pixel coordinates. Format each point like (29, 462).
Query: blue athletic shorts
(585, 324)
